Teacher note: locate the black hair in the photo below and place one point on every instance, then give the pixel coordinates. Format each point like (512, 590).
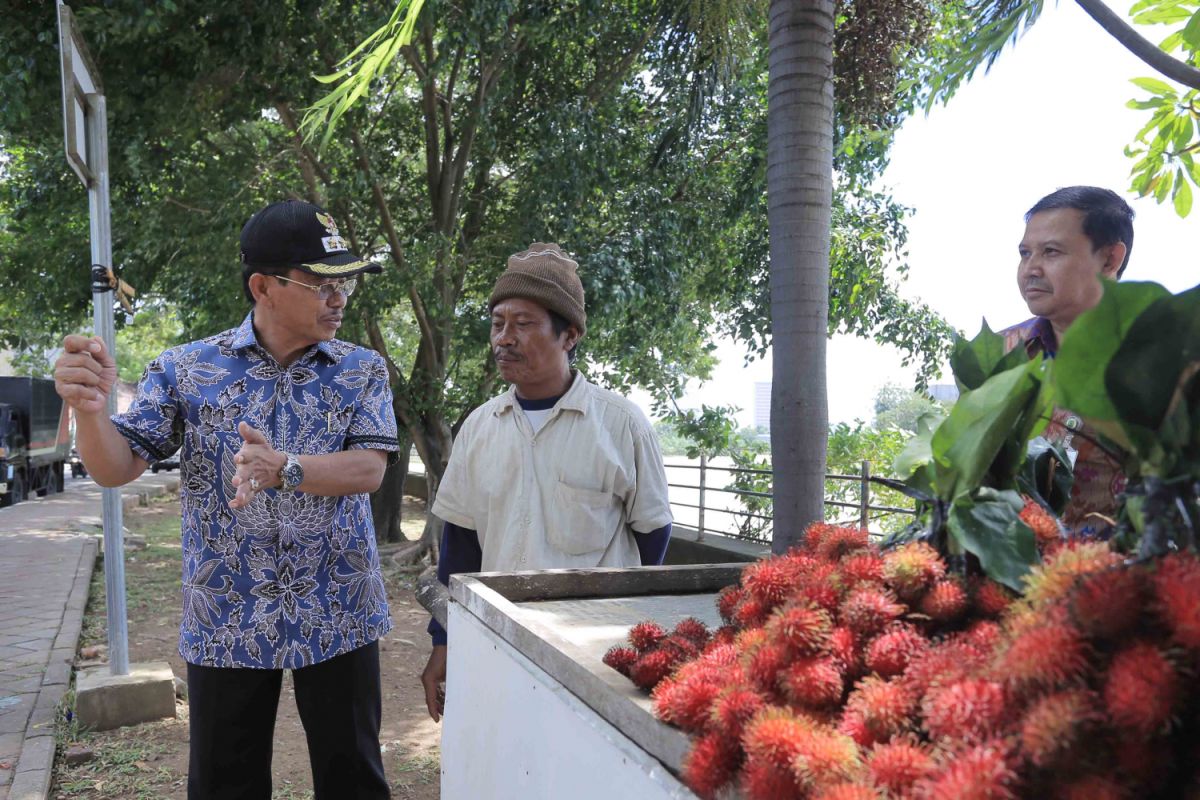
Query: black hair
(559, 324)
(250, 269)
(1107, 219)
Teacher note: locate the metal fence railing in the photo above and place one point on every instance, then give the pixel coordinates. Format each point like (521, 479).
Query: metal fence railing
(724, 507)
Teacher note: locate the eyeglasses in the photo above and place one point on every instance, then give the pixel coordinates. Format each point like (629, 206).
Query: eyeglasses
(326, 290)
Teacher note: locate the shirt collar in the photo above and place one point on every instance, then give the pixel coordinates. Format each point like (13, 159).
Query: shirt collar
(1039, 338)
(574, 399)
(244, 338)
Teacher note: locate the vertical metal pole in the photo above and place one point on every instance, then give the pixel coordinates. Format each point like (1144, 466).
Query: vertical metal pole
(864, 496)
(102, 317)
(703, 469)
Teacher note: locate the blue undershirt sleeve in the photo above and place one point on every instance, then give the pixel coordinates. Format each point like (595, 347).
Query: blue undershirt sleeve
(653, 545)
(460, 553)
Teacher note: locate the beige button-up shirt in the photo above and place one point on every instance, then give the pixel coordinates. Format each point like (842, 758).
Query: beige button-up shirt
(569, 495)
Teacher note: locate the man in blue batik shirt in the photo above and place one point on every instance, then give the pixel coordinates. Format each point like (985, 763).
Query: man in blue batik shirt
(284, 431)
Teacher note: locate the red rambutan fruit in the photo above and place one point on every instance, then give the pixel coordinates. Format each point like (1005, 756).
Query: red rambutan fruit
(802, 628)
(969, 710)
(812, 682)
(727, 600)
(764, 664)
(1109, 603)
(1054, 579)
(683, 648)
(840, 541)
(690, 697)
(945, 601)
(888, 653)
(815, 534)
(769, 581)
(750, 613)
(768, 782)
(868, 610)
(1056, 724)
(911, 569)
(651, 667)
(1046, 529)
(822, 593)
(718, 654)
(1142, 762)
(1047, 655)
(847, 791)
(733, 708)
(620, 658)
(982, 772)
(989, 598)
(984, 635)
(942, 664)
(750, 639)
(1177, 597)
(694, 629)
(1091, 787)
(645, 635)
(862, 567)
(844, 646)
(886, 708)
(772, 737)
(1141, 689)
(824, 757)
(897, 765)
(710, 764)
(726, 634)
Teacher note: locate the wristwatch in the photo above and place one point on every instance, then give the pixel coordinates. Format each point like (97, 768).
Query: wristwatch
(291, 475)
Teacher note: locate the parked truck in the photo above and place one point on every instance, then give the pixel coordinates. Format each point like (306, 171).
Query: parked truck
(35, 439)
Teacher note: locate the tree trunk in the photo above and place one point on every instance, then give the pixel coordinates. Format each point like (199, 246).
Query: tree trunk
(386, 502)
(799, 199)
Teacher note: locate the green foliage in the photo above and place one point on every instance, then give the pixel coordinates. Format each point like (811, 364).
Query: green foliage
(848, 447)
(153, 329)
(902, 408)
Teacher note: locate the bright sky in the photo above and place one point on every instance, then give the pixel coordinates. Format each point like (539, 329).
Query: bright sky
(1051, 113)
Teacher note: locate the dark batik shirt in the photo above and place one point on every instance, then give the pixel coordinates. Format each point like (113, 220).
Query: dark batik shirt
(291, 579)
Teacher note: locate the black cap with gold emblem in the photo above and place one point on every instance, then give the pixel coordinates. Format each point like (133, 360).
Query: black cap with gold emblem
(300, 235)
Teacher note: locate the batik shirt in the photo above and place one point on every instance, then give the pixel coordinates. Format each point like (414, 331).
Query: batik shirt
(1099, 478)
(291, 579)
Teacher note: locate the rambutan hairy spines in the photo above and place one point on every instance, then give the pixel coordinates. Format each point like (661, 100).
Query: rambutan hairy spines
(839, 541)
(983, 635)
(868, 610)
(888, 653)
(1109, 603)
(1045, 527)
(620, 658)
(1048, 655)
(911, 569)
(761, 781)
(728, 600)
(844, 646)
(812, 682)
(802, 628)
(646, 635)
(651, 667)
(885, 708)
(773, 735)
(861, 567)
(1176, 583)
(1092, 787)
(711, 764)
(1055, 724)
(942, 664)
(1141, 689)
(694, 629)
(989, 598)
(969, 710)
(726, 634)
(898, 765)
(690, 698)
(764, 664)
(945, 601)
(769, 581)
(1053, 580)
(733, 708)
(824, 757)
(982, 772)
(750, 613)
(847, 791)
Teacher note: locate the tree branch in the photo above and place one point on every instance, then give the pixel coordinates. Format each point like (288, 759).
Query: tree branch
(1139, 45)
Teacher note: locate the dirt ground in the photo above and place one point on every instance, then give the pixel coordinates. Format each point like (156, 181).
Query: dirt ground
(149, 761)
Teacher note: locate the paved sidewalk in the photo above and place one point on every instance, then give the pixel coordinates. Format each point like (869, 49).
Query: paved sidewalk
(45, 570)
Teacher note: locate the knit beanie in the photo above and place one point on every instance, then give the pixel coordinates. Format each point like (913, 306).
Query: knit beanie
(547, 276)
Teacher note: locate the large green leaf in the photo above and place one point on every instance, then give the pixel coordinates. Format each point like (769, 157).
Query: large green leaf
(1047, 473)
(975, 360)
(1147, 376)
(990, 527)
(1077, 377)
(980, 425)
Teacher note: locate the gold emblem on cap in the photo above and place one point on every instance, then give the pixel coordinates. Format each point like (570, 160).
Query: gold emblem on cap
(328, 223)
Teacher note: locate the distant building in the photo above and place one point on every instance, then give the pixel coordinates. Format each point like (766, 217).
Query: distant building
(762, 404)
(944, 392)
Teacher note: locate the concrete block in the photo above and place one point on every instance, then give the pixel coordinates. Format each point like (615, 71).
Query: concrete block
(104, 701)
(31, 785)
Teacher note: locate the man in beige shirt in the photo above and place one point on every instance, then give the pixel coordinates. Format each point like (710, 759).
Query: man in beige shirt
(556, 472)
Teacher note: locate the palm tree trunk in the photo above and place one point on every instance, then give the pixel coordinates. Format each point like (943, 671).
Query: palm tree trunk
(799, 195)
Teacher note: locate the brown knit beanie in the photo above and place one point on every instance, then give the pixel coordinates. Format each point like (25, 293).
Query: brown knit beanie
(547, 276)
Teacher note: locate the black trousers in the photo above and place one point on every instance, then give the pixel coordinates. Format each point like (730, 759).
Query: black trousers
(232, 724)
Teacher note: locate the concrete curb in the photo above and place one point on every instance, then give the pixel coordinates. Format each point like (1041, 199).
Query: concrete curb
(131, 500)
(35, 768)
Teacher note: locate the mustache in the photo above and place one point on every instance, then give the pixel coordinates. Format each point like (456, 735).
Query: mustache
(504, 352)
(1034, 283)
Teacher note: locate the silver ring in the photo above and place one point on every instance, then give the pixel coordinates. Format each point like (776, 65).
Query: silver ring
(254, 484)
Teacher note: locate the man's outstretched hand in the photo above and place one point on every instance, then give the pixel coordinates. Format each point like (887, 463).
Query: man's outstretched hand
(258, 466)
(85, 373)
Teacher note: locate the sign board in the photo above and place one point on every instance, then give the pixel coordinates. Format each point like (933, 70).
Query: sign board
(80, 78)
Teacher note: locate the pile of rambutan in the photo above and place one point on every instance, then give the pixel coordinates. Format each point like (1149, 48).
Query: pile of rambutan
(844, 671)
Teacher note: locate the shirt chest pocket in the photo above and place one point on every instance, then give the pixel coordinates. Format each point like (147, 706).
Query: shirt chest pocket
(580, 521)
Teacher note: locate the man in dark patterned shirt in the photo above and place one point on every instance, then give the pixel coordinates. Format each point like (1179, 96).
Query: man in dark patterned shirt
(284, 431)
(1073, 238)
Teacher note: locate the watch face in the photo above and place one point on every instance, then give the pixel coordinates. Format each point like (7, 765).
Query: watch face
(293, 474)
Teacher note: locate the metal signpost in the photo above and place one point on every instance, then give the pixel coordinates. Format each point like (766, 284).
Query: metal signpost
(85, 123)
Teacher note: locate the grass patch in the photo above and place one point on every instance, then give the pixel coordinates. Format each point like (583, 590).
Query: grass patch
(124, 766)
